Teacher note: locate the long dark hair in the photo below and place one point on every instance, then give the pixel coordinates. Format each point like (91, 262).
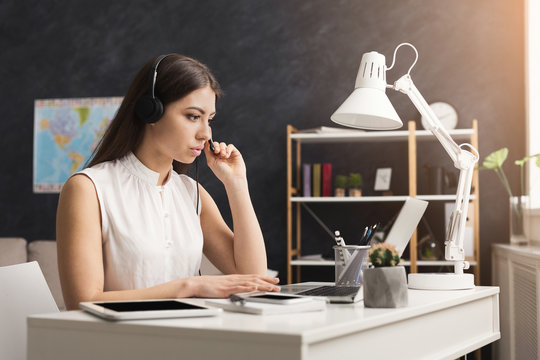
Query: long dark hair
(178, 75)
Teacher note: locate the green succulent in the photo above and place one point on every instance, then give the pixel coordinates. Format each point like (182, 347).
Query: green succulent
(383, 255)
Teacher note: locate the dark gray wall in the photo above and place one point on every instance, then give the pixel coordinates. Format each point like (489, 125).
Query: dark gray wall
(279, 62)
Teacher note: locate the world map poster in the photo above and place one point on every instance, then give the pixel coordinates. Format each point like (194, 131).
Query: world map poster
(66, 132)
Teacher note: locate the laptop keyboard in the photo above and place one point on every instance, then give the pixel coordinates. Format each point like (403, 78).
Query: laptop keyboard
(331, 291)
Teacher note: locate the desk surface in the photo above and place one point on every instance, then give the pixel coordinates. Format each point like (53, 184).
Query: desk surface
(435, 325)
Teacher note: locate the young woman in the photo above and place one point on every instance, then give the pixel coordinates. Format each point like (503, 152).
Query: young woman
(132, 226)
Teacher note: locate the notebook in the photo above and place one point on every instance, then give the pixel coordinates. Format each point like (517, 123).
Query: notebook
(399, 236)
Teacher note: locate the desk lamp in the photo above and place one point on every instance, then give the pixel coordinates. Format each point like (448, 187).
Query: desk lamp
(368, 107)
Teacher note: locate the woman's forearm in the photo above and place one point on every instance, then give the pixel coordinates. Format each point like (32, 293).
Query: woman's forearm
(220, 286)
(249, 249)
(180, 288)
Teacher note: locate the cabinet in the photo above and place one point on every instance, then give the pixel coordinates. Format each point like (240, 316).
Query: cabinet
(516, 270)
(295, 139)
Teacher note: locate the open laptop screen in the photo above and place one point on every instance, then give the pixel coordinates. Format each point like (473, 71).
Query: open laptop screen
(407, 220)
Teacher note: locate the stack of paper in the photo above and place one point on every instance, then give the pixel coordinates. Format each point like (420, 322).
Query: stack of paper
(268, 309)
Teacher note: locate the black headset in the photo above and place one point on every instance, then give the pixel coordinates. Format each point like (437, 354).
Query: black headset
(148, 107)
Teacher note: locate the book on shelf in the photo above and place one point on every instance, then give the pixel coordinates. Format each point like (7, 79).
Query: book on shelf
(326, 186)
(306, 180)
(329, 130)
(316, 180)
(257, 308)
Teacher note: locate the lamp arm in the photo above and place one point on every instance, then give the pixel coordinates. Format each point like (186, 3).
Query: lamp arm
(463, 160)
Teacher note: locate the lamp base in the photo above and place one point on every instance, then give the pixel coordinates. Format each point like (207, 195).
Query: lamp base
(441, 281)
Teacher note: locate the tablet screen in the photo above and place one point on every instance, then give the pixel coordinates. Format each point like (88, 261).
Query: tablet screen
(148, 306)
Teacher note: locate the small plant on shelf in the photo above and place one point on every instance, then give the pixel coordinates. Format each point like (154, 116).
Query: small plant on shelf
(340, 184)
(355, 184)
(383, 254)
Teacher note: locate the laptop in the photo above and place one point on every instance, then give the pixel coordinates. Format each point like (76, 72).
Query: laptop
(399, 236)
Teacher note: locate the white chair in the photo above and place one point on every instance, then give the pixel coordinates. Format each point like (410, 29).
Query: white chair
(23, 292)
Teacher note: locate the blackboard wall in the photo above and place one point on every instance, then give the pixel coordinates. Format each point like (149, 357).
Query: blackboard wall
(279, 62)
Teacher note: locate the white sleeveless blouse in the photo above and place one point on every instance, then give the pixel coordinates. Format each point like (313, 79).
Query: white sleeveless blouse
(151, 234)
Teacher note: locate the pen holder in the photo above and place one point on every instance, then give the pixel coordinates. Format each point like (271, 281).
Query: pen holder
(350, 260)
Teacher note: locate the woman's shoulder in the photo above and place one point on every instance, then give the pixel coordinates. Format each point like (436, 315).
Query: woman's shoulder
(79, 184)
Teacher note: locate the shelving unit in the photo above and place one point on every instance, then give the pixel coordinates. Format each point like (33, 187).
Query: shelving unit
(411, 136)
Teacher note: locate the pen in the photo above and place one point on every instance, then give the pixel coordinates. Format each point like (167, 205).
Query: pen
(363, 236)
(343, 253)
(369, 232)
(372, 233)
(339, 240)
(238, 300)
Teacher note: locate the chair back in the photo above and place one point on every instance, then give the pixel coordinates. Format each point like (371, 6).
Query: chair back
(23, 292)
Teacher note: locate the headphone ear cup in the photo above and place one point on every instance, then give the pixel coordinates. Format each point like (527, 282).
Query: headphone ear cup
(149, 109)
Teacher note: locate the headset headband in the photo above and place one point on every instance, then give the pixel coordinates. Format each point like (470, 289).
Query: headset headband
(154, 73)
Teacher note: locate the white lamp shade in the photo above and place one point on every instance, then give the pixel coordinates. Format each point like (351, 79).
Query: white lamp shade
(367, 108)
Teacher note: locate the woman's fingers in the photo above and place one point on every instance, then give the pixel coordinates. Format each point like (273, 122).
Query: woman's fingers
(230, 149)
(240, 289)
(265, 283)
(223, 150)
(225, 285)
(273, 280)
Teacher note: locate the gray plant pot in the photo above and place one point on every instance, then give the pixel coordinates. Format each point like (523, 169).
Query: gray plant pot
(385, 287)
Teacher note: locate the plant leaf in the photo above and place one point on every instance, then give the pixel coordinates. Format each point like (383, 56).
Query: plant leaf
(527, 158)
(496, 159)
(522, 161)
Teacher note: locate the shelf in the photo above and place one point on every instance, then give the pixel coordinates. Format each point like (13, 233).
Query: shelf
(313, 262)
(408, 135)
(352, 199)
(441, 197)
(323, 262)
(377, 136)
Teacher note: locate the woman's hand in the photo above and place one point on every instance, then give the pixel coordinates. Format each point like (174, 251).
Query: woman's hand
(222, 286)
(225, 161)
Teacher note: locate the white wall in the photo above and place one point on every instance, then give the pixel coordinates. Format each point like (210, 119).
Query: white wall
(532, 83)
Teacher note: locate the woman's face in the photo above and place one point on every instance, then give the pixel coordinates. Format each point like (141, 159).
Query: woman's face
(184, 128)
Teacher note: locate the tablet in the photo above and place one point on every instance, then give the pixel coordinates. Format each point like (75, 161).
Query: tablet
(146, 309)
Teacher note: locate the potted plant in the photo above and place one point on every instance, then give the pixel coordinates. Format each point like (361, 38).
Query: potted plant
(495, 161)
(385, 283)
(340, 184)
(355, 184)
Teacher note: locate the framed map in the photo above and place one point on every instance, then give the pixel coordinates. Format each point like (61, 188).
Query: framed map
(66, 132)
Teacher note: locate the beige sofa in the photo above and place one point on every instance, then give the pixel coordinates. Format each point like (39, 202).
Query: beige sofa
(15, 250)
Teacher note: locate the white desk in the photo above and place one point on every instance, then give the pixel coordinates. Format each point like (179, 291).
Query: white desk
(435, 325)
